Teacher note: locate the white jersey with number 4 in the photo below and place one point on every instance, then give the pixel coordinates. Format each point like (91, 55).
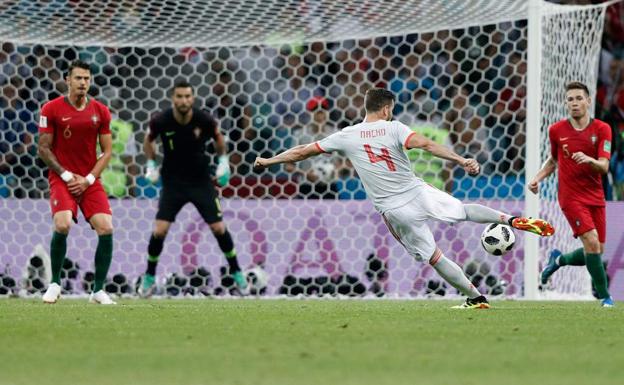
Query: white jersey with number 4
(377, 152)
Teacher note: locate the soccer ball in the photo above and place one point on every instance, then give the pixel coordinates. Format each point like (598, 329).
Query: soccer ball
(497, 239)
(257, 279)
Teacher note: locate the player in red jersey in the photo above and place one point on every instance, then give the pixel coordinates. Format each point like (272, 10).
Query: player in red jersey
(70, 127)
(581, 148)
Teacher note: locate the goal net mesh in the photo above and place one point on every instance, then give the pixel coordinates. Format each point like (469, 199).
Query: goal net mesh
(276, 74)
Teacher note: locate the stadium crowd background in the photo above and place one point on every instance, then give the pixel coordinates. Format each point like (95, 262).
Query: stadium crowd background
(464, 87)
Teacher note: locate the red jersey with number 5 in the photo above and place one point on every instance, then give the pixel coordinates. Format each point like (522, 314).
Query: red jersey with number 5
(75, 133)
(579, 182)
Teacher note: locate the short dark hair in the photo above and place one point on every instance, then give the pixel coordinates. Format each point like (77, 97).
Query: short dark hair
(181, 84)
(78, 64)
(377, 98)
(577, 86)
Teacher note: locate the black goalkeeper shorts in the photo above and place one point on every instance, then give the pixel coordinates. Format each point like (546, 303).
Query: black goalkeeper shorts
(203, 196)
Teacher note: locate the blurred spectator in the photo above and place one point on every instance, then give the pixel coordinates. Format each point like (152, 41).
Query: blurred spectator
(469, 82)
(615, 118)
(610, 97)
(116, 176)
(315, 176)
(431, 169)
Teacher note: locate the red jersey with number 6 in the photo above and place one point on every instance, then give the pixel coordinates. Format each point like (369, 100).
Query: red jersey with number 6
(579, 182)
(75, 133)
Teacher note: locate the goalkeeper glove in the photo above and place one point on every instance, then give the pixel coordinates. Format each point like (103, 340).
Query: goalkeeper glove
(152, 173)
(223, 170)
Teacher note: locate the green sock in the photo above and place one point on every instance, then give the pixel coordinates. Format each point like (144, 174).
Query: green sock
(103, 256)
(58, 248)
(230, 257)
(597, 272)
(575, 258)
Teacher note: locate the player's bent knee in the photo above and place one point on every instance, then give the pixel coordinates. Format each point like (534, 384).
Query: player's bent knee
(105, 229)
(62, 226)
(217, 228)
(63, 222)
(591, 244)
(161, 228)
(592, 247)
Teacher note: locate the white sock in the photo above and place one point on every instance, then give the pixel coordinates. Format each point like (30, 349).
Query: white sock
(483, 214)
(453, 274)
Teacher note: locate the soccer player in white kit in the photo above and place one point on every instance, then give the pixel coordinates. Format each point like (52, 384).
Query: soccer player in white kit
(376, 149)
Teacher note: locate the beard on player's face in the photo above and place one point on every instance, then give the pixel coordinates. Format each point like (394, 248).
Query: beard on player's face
(183, 103)
(182, 108)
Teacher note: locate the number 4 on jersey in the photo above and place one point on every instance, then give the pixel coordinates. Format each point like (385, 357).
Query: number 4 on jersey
(384, 157)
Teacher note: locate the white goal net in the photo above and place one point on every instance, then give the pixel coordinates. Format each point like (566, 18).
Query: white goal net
(275, 74)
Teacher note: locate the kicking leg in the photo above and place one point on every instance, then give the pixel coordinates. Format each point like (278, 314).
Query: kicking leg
(483, 214)
(416, 237)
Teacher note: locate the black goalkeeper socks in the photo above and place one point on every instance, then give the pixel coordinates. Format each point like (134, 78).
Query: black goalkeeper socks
(154, 248)
(226, 244)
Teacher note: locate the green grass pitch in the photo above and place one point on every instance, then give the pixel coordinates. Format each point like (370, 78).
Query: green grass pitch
(309, 342)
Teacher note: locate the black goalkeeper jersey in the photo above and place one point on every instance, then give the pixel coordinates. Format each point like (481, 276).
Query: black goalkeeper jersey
(185, 158)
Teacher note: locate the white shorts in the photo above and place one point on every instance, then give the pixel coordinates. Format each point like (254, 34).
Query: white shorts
(408, 223)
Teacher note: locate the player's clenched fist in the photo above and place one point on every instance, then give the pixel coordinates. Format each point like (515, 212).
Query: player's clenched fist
(471, 166)
(260, 163)
(534, 186)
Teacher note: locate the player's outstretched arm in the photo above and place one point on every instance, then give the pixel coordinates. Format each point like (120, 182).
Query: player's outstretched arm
(549, 166)
(471, 166)
(295, 154)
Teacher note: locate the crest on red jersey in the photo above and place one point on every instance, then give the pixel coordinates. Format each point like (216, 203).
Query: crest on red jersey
(594, 138)
(95, 119)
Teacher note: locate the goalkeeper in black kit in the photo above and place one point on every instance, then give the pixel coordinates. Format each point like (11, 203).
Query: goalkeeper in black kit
(184, 132)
